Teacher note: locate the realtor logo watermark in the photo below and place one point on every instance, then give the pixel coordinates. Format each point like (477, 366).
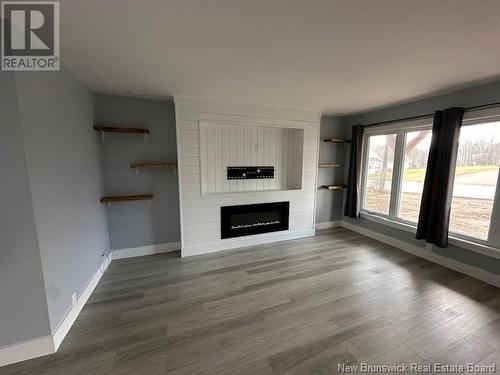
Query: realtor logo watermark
(30, 35)
(416, 368)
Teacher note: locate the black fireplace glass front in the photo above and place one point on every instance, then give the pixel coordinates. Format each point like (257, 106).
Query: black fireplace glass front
(245, 220)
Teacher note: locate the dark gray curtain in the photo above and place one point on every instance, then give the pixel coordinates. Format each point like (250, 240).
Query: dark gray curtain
(352, 203)
(434, 217)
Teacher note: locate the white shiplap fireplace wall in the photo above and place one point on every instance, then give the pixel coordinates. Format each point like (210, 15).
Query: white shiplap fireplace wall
(200, 213)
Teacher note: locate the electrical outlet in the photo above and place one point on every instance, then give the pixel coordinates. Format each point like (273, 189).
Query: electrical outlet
(74, 299)
(105, 260)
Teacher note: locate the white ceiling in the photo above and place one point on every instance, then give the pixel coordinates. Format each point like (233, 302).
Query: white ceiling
(335, 56)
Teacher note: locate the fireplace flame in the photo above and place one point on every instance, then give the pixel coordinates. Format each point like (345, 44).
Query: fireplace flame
(255, 224)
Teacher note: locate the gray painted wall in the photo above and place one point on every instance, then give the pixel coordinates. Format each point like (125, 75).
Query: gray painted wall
(140, 223)
(478, 95)
(64, 171)
(329, 203)
(23, 309)
(54, 229)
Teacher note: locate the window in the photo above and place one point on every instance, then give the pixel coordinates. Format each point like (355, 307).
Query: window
(476, 177)
(379, 174)
(394, 167)
(415, 153)
(394, 170)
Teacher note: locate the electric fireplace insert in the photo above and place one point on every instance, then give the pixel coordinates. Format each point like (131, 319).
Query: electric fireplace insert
(245, 220)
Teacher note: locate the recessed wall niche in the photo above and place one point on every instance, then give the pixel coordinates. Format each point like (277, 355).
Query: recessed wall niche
(225, 145)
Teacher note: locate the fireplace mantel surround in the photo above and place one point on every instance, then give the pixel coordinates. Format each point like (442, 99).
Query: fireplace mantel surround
(201, 211)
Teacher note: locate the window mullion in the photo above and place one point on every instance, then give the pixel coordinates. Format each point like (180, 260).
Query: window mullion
(364, 170)
(397, 174)
(494, 235)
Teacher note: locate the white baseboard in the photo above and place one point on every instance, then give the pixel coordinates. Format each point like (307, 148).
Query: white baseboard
(26, 350)
(132, 252)
(466, 269)
(328, 224)
(239, 242)
(62, 330)
(49, 344)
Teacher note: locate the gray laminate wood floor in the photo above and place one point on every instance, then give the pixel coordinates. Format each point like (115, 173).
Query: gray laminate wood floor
(294, 307)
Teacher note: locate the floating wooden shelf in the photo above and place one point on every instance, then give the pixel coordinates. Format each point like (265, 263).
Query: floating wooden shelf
(329, 165)
(334, 187)
(153, 164)
(337, 140)
(126, 198)
(114, 129)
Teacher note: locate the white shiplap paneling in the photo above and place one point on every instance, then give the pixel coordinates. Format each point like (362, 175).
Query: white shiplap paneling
(224, 145)
(212, 135)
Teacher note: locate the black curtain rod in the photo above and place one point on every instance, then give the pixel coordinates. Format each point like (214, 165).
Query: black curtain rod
(482, 106)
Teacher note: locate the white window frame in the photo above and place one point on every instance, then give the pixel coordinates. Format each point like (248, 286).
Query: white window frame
(490, 247)
(474, 118)
(400, 129)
